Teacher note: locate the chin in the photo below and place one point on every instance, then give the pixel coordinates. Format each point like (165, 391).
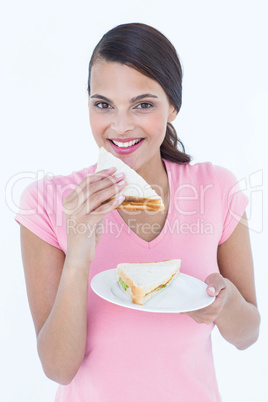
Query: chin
(131, 161)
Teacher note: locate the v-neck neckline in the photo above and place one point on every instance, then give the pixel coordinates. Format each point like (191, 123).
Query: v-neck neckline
(157, 239)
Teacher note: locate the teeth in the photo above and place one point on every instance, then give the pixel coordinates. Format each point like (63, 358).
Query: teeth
(126, 144)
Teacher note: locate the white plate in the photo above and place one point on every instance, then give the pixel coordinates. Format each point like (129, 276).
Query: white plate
(185, 294)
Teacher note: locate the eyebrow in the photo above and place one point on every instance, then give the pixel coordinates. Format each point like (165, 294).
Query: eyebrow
(135, 99)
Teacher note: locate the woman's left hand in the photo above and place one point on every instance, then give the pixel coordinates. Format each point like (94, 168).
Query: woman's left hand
(218, 287)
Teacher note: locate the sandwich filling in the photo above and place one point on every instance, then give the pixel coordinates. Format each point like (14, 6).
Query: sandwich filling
(163, 285)
(160, 286)
(123, 284)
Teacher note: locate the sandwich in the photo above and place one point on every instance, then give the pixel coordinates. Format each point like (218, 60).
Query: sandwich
(142, 281)
(138, 193)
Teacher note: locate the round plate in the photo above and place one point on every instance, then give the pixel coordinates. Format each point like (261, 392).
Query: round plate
(185, 294)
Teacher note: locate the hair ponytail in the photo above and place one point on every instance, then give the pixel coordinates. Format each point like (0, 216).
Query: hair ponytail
(169, 147)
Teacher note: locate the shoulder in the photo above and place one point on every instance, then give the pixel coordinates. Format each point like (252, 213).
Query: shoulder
(74, 178)
(221, 181)
(41, 203)
(189, 169)
(201, 172)
(49, 184)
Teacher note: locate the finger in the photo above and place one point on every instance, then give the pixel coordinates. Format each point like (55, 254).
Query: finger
(221, 297)
(97, 176)
(215, 284)
(103, 197)
(88, 201)
(108, 206)
(89, 186)
(102, 184)
(92, 178)
(211, 291)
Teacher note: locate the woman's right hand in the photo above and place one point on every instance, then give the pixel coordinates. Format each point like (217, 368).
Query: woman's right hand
(84, 211)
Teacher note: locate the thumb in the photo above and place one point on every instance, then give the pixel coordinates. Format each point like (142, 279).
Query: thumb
(215, 284)
(211, 291)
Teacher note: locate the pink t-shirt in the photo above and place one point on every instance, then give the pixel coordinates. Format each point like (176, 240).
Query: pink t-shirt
(134, 355)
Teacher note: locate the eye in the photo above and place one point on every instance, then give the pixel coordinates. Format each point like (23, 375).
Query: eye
(102, 105)
(144, 105)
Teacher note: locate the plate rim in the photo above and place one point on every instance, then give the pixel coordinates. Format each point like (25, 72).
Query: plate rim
(145, 308)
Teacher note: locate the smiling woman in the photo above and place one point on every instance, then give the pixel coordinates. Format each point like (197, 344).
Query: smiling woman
(72, 229)
(149, 52)
(123, 119)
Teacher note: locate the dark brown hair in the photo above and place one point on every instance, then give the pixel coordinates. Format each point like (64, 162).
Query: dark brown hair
(148, 51)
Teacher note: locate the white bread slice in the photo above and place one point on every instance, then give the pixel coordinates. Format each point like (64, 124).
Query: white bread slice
(138, 193)
(145, 280)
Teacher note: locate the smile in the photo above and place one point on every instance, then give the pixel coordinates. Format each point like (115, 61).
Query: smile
(126, 144)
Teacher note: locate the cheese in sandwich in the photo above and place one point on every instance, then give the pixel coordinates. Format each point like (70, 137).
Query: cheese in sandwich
(138, 193)
(142, 281)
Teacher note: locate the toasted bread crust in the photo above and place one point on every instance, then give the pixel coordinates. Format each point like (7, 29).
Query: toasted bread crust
(142, 200)
(137, 292)
(137, 207)
(139, 203)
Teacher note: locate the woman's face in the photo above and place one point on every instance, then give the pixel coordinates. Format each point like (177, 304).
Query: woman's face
(127, 106)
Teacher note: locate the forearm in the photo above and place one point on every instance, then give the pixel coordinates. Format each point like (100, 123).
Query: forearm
(62, 340)
(239, 321)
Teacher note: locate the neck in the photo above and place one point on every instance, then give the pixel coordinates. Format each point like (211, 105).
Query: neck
(155, 174)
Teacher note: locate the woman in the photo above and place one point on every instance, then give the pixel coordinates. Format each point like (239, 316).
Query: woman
(98, 351)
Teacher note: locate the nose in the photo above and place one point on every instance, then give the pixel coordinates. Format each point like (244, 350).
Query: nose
(122, 122)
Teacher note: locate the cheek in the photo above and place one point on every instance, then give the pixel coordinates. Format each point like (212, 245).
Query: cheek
(96, 122)
(98, 127)
(156, 126)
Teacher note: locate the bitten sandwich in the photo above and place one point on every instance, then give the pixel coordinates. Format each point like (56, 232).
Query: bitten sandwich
(142, 281)
(138, 193)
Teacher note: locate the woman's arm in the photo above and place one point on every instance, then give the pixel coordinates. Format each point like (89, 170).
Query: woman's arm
(57, 285)
(57, 294)
(239, 319)
(235, 309)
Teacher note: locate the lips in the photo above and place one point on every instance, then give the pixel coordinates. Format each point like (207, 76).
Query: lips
(126, 145)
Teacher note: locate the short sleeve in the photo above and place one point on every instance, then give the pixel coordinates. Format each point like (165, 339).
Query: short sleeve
(34, 212)
(233, 200)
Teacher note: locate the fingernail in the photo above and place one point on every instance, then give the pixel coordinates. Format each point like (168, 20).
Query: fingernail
(212, 289)
(111, 169)
(121, 183)
(120, 198)
(119, 175)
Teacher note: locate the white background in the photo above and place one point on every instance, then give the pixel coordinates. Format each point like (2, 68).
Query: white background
(45, 50)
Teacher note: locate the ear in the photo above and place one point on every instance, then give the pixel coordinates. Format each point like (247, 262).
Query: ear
(172, 114)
